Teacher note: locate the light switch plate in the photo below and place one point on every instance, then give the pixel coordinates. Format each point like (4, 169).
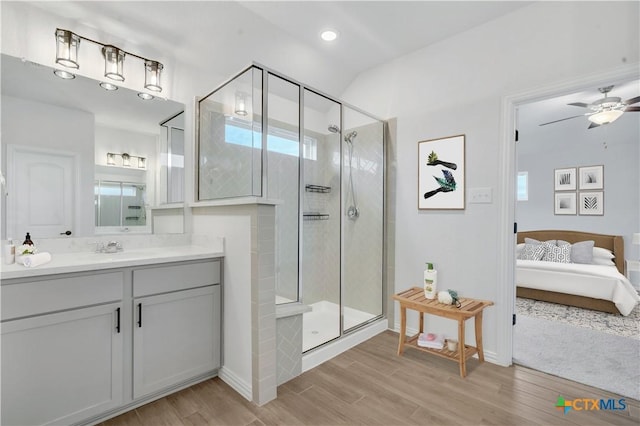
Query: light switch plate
(480, 195)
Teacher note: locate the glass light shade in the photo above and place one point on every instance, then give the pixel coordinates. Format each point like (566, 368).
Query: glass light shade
(152, 73)
(111, 159)
(113, 63)
(67, 44)
(605, 117)
(142, 162)
(241, 104)
(126, 160)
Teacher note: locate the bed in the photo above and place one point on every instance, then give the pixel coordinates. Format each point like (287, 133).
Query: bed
(598, 287)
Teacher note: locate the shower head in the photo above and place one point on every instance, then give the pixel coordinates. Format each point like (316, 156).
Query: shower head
(333, 128)
(349, 137)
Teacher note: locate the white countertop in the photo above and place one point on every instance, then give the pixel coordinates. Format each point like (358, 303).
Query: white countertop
(62, 263)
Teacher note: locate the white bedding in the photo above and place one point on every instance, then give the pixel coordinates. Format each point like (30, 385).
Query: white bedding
(595, 281)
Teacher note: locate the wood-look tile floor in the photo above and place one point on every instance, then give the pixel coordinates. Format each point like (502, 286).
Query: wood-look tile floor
(371, 385)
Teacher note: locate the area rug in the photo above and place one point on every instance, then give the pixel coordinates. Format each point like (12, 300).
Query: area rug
(628, 326)
(598, 359)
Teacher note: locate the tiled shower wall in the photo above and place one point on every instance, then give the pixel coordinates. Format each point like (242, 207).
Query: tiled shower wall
(363, 237)
(321, 238)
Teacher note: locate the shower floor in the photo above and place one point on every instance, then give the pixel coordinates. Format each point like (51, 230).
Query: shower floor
(322, 323)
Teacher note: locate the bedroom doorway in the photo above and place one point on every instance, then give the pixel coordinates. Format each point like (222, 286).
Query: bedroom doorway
(547, 334)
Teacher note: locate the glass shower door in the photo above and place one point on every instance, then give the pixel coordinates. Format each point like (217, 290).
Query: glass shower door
(321, 220)
(362, 217)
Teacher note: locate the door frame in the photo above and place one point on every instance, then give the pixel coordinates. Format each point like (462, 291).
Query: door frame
(506, 188)
(11, 187)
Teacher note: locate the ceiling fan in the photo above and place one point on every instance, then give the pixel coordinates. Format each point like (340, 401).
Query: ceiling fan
(605, 110)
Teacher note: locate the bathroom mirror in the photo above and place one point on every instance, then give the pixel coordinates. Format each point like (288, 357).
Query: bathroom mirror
(63, 138)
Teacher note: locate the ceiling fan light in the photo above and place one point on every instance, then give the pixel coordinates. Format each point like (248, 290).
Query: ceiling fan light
(606, 117)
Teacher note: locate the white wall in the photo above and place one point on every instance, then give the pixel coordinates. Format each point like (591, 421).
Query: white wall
(456, 87)
(29, 123)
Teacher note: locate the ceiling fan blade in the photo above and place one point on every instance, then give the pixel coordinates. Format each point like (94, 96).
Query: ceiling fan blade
(562, 119)
(592, 125)
(632, 101)
(632, 108)
(579, 104)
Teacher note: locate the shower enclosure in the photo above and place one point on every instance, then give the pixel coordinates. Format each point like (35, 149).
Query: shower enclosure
(264, 135)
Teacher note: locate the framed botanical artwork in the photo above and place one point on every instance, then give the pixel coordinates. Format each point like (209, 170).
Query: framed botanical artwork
(591, 203)
(441, 174)
(565, 179)
(565, 203)
(591, 177)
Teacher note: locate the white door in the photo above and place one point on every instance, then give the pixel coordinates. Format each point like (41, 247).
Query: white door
(176, 336)
(41, 192)
(61, 368)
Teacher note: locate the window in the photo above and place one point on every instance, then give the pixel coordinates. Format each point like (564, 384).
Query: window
(279, 140)
(523, 186)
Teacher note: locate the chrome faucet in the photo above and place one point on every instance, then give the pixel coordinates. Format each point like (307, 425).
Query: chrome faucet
(110, 247)
(113, 247)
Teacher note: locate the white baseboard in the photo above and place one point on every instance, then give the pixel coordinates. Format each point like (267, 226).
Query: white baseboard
(239, 385)
(330, 350)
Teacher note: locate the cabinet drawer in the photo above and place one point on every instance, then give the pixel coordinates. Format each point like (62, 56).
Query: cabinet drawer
(37, 297)
(164, 279)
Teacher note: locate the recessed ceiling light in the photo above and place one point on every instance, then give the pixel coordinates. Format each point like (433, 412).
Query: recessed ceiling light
(64, 74)
(145, 96)
(108, 86)
(329, 35)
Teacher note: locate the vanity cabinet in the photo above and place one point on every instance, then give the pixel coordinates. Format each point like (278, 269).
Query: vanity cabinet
(176, 333)
(82, 347)
(61, 360)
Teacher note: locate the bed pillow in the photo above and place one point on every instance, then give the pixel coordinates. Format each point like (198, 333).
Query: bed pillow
(554, 253)
(602, 253)
(531, 252)
(519, 248)
(581, 252)
(532, 241)
(602, 261)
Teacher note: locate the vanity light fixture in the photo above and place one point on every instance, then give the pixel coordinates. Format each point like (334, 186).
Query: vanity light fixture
(241, 104)
(67, 44)
(152, 72)
(126, 160)
(113, 63)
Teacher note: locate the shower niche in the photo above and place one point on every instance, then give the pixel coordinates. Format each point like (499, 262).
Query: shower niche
(267, 136)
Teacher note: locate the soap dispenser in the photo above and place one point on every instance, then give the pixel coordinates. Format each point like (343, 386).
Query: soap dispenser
(430, 279)
(27, 240)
